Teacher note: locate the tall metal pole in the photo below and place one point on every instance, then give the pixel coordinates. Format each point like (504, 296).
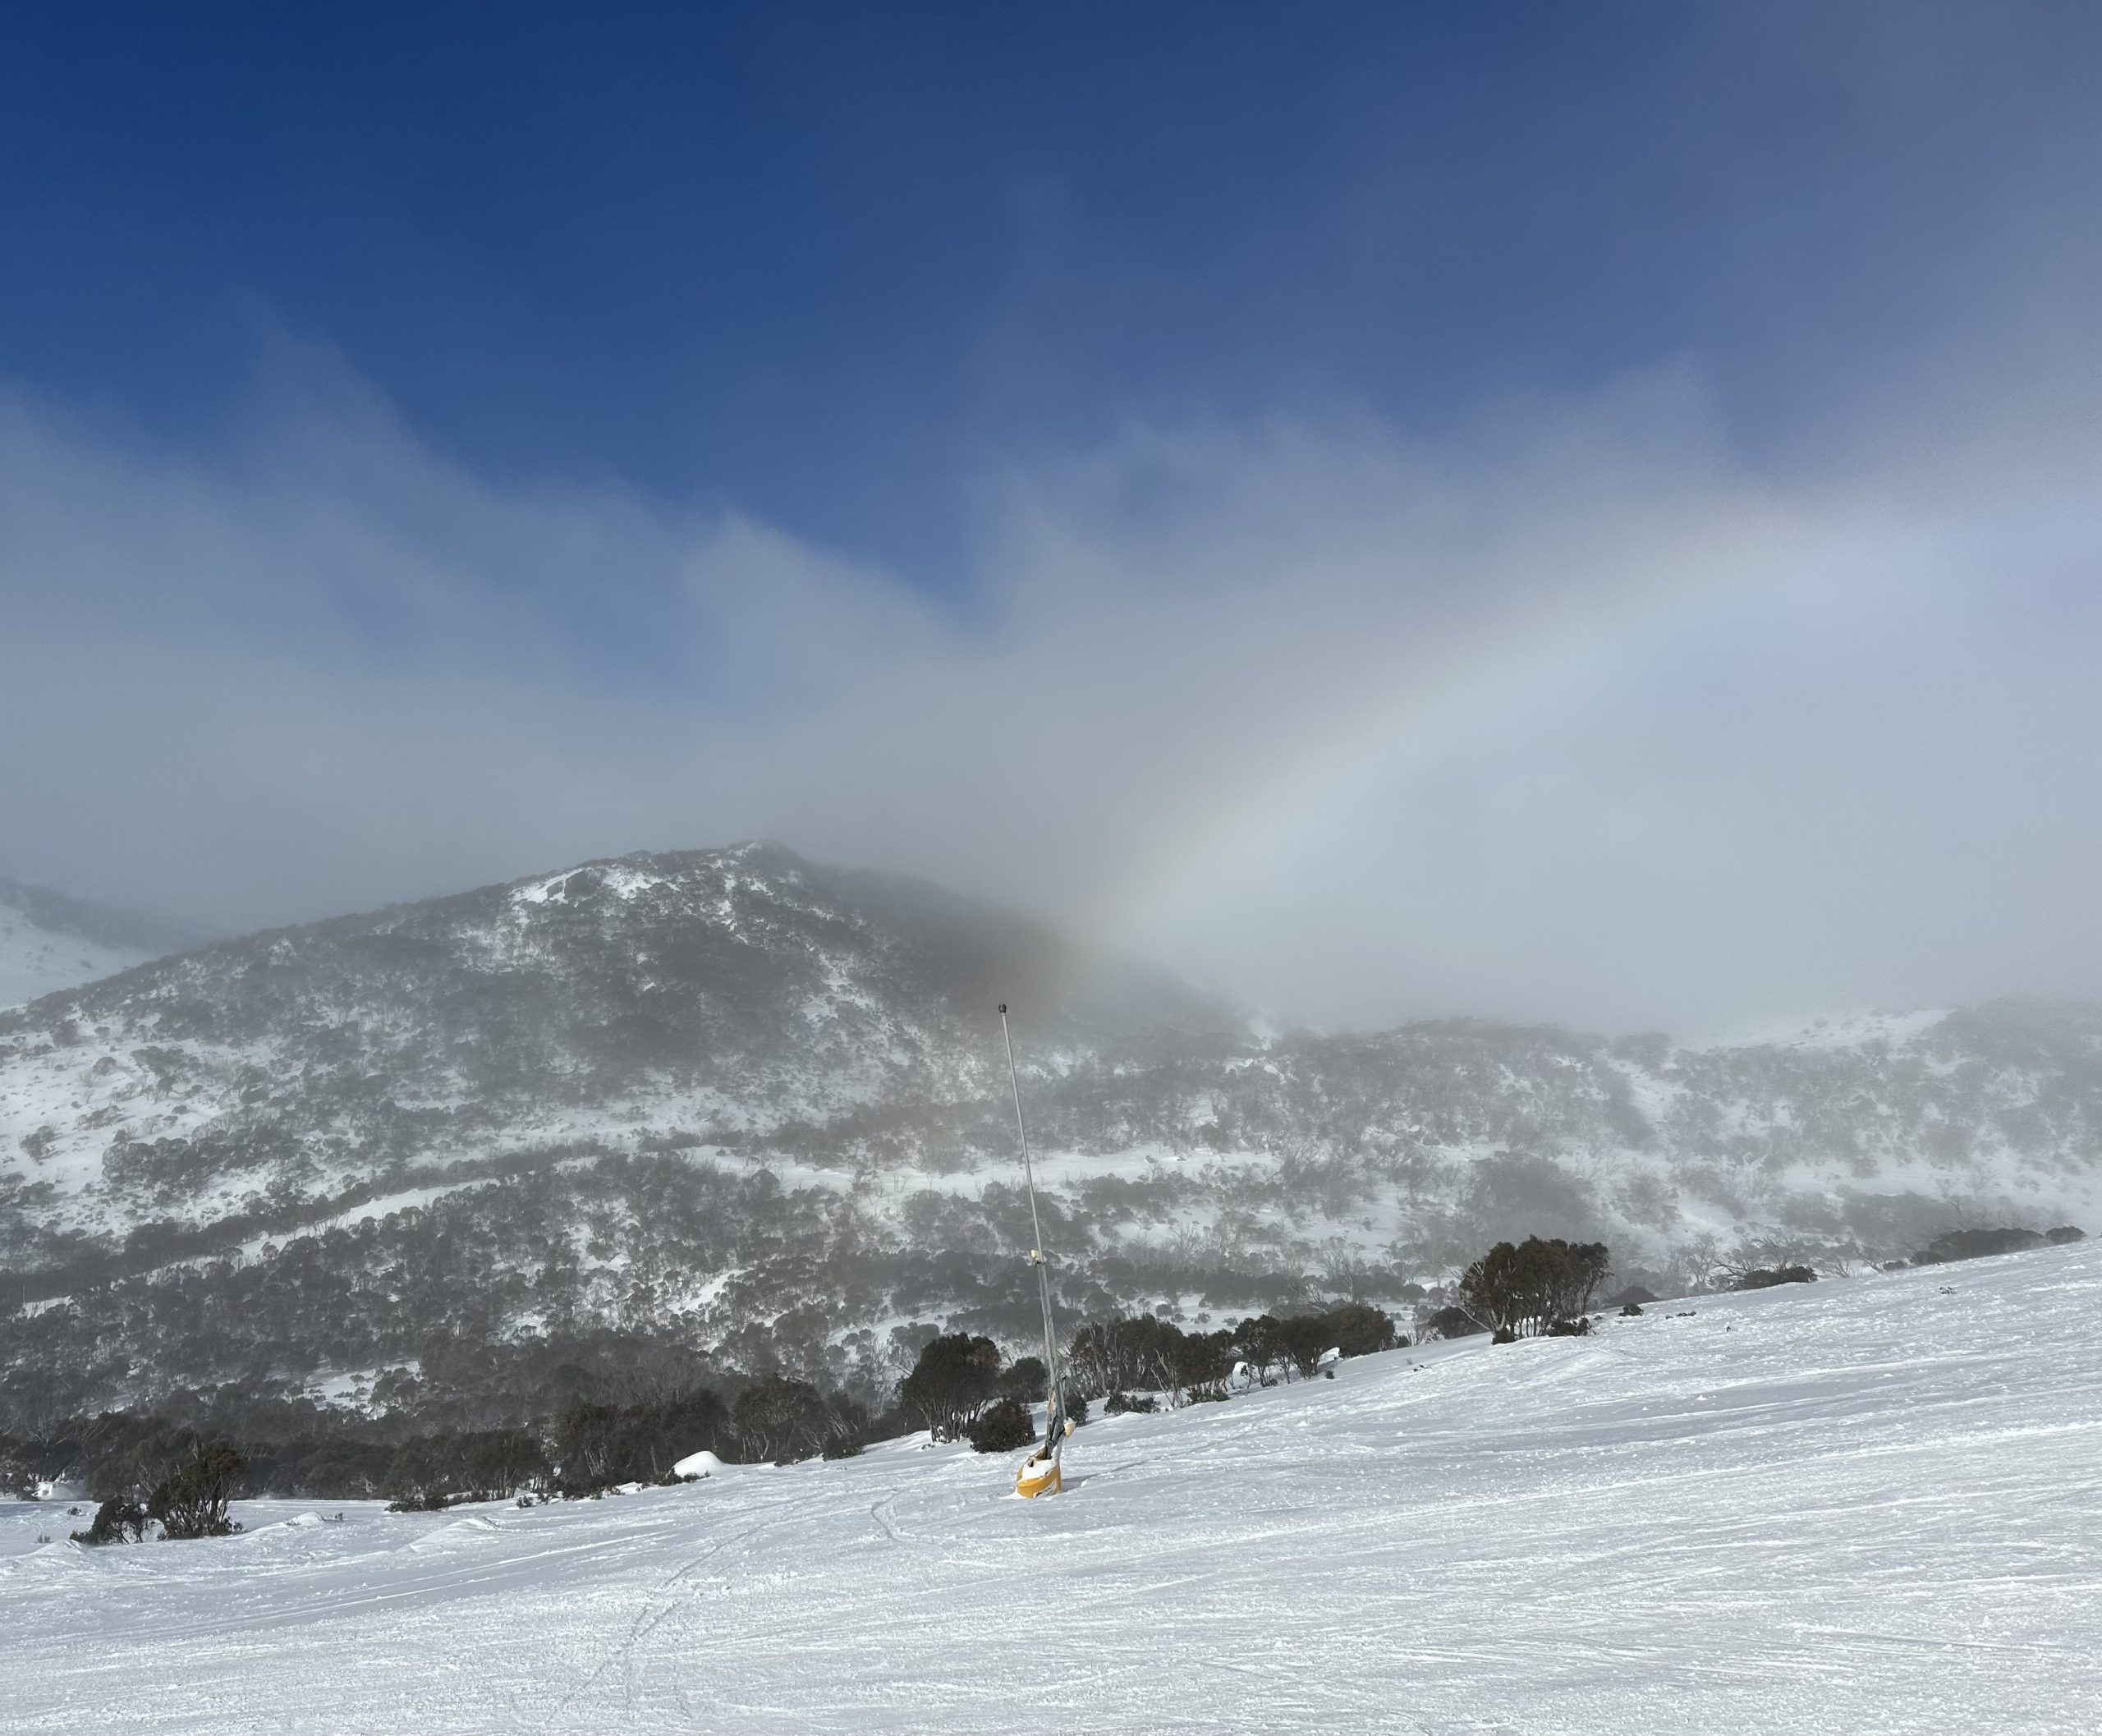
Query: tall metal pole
(1037, 1257)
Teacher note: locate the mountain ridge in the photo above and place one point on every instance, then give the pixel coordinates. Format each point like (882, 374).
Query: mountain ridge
(757, 1103)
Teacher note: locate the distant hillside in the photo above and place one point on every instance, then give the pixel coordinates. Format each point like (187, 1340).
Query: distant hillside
(756, 1106)
(51, 941)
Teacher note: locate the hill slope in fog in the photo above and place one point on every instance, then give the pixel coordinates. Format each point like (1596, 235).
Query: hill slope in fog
(758, 1104)
(51, 941)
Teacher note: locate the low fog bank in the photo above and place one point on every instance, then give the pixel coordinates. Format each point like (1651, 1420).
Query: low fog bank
(1576, 717)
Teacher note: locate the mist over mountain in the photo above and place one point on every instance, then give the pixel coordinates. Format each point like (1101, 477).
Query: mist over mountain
(757, 1106)
(51, 941)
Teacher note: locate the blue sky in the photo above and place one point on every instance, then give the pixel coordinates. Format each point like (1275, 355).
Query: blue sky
(453, 441)
(832, 261)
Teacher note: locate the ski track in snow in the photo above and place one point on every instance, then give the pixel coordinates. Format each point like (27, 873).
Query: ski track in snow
(1869, 1505)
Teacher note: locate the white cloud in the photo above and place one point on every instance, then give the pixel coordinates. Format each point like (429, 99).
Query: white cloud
(1569, 716)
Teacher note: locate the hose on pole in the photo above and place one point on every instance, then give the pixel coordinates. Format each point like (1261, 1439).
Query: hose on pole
(1037, 1257)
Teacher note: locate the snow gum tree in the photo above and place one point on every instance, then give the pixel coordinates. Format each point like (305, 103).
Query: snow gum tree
(957, 1376)
(784, 1420)
(194, 1499)
(1524, 1288)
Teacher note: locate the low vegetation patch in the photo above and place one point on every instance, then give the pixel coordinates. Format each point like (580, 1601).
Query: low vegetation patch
(1005, 1426)
(1977, 1244)
(1767, 1279)
(1141, 1353)
(116, 1521)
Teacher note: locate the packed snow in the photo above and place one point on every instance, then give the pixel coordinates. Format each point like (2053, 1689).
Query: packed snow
(1867, 1505)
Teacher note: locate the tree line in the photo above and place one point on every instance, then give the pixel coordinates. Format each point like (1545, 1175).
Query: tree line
(181, 1472)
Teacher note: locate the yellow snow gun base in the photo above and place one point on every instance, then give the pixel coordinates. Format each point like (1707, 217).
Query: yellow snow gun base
(1038, 1476)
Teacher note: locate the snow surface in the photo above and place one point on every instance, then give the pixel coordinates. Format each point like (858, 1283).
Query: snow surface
(1867, 1505)
(36, 961)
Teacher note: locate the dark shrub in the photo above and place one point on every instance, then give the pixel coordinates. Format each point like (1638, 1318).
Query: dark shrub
(1306, 1339)
(1629, 1310)
(1359, 1329)
(2064, 1233)
(1260, 1340)
(587, 1447)
(1976, 1244)
(1004, 1426)
(343, 1469)
(1453, 1323)
(1202, 1362)
(1504, 1335)
(115, 1522)
(18, 1482)
(423, 1476)
(1118, 1403)
(193, 1501)
(1581, 1327)
(1779, 1274)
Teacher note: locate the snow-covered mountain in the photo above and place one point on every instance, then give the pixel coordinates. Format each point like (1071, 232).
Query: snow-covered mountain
(755, 1105)
(50, 940)
(1865, 1506)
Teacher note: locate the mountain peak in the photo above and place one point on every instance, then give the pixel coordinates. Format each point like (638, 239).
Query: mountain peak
(707, 1092)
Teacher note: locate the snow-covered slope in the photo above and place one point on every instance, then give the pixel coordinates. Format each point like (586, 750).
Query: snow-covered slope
(754, 1105)
(1827, 1031)
(1867, 1506)
(34, 961)
(50, 941)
